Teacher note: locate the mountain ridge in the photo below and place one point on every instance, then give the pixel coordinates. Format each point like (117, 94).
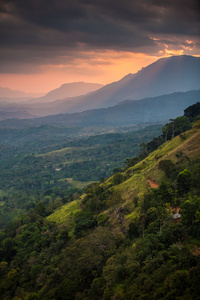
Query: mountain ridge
(166, 75)
(6, 92)
(72, 89)
(156, 109)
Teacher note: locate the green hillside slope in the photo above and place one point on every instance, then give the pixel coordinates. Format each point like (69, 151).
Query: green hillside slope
(122, 239)
(180, 151)
(41, 167)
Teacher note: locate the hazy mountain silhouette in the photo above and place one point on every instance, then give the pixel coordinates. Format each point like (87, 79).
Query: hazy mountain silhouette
(73, 89)
(21, 101)
(9, 93)
(4, 115)
(165, 76)
(156, 109)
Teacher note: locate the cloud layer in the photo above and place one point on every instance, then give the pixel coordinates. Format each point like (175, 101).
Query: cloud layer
(36, 33)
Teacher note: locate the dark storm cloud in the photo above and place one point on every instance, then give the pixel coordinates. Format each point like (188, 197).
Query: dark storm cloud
(82, 22)
(45, 29)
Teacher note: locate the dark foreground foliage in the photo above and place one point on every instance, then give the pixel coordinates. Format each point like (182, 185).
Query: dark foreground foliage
(155, 258)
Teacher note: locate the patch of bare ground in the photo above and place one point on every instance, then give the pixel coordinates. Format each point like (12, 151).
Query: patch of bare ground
(196, 251)
(152, 184)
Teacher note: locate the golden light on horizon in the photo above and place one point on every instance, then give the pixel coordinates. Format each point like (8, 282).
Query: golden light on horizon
(99, 67)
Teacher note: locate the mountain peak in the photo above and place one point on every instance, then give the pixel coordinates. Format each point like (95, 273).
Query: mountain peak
(67, 90)
(80, 83)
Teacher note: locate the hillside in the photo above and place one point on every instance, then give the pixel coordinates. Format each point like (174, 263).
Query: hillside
(157, 109)
(179, 151)
(121, 239)
(165, 76)
(182, 148)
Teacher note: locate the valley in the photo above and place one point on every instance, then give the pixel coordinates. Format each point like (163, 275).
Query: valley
(60, 164)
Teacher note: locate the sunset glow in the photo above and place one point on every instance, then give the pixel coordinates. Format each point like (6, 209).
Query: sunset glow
(108, 67)
(44, 47)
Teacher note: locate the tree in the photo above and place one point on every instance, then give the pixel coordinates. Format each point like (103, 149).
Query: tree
(131, 162)
(118, 178)
(181, 124)
(133, 231)
(67, 290)
(192, 111)
(190, 211)
(40, 209)
(143, 150)
(175, 127)
(184, 181)
(172, 125)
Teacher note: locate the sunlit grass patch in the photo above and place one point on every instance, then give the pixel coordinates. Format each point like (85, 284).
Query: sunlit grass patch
(135, 186)
(134, 214)
(79, 184)
(65, 214)
(62, 151)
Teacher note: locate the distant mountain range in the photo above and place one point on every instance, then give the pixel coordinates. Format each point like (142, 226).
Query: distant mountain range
(165, 76)
(155, 109)
(9, 93)
(4, 115)
(17, 104)
(73, 89)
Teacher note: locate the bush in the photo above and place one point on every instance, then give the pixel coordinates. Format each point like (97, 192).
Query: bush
(184, 181)
(118, 178)
(167, 166)
(84, 221)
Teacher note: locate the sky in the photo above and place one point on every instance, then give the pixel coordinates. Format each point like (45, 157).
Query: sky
(45, 43)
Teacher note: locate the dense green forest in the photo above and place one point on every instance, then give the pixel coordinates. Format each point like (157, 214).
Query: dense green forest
(120, 239)
(49, 162)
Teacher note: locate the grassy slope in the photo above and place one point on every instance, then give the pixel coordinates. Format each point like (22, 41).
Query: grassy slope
(188, 144)
(60, 152)
(136, 186)
(77, 184)
(64, 215)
